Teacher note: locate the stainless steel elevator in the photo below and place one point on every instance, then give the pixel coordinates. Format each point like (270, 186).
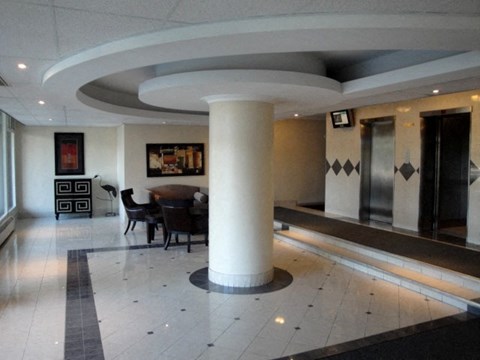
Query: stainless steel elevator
(377, 169)
(445, 165)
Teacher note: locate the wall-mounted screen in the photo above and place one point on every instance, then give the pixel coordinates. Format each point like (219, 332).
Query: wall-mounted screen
(342, 118)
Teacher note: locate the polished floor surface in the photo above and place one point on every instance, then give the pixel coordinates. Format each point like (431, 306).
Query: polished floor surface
(442, 254)
(145, 307)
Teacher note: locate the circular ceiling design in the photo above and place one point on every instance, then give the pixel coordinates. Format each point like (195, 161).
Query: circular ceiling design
(289, 91)
(168, 74)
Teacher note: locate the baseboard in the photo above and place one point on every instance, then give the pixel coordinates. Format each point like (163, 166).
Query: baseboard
(6, 228)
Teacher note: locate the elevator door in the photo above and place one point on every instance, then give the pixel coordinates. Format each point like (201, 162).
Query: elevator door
(445, 171)
(377, 170)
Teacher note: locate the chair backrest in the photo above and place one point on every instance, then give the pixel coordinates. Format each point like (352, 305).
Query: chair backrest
(127, 199)
(177, 219)
(133, 210)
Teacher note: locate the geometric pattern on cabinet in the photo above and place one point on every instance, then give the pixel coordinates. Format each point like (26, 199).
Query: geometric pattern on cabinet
(73, 196)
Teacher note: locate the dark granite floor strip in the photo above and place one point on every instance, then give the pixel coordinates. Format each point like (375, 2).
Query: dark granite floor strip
(281, 279)
(82, 333)
(454, 337)
(433, 252)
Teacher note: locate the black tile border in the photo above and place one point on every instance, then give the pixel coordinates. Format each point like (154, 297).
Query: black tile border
(82, 332)
(420, 341)
(436, 253)
(281, 279)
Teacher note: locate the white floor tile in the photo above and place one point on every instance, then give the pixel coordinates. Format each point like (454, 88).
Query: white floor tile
(148, 309)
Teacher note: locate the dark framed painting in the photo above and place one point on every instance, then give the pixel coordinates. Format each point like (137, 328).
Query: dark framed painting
(175, 160)
(69, 158)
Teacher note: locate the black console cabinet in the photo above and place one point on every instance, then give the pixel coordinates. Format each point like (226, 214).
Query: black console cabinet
(73, 196)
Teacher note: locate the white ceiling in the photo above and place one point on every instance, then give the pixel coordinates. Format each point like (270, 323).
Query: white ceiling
(88, 59)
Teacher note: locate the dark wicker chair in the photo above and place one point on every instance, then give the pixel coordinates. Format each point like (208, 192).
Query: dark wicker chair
(138, 212)
(179, 221)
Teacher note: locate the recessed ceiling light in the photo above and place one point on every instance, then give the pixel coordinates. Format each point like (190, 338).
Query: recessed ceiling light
(296, 115)
(21, 66)
(41, 102)
(50, 119)
(436, 91)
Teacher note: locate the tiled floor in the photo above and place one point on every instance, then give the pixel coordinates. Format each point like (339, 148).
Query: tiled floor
(146, 307)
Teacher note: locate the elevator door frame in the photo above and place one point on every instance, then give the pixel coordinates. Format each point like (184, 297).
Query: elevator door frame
(365, 211)
(429, 217)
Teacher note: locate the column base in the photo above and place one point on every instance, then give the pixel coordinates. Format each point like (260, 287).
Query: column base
(244, 281)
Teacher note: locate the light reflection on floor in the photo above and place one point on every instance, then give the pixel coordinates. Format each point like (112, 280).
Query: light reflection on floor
(148, 309)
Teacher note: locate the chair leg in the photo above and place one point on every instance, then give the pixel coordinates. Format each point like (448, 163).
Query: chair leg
(165, 234)
(167, 241)
(150, 232)
(206, 239)
(128, 226)
(188, 243)
(134, 223)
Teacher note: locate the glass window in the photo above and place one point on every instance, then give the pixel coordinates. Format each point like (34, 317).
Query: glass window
(10, 165)
(7, 165)
(3, 172)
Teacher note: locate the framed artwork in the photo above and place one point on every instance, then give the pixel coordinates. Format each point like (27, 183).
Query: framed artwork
(69, 158)
(175, 160)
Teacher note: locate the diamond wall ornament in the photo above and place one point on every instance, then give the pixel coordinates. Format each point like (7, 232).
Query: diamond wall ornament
(336, 167)
(407, 170)
(474, 172)
(348, 167)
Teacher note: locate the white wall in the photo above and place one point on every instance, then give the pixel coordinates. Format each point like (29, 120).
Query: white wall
(473, 222)
(119, 155)
(135, 139)
(299, 161)
(36, 167)
(342, 192)
(121, 170)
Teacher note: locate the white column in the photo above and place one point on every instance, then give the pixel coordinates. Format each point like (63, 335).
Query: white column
(241, 192)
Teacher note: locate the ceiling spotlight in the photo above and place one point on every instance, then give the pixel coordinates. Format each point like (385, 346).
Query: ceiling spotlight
(436, 91)
(296, 115)
(41, 102)
(50, 119)
(21, 66)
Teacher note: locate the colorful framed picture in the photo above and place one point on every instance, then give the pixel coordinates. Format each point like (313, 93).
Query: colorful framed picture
(175, 160)
(69, 158)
